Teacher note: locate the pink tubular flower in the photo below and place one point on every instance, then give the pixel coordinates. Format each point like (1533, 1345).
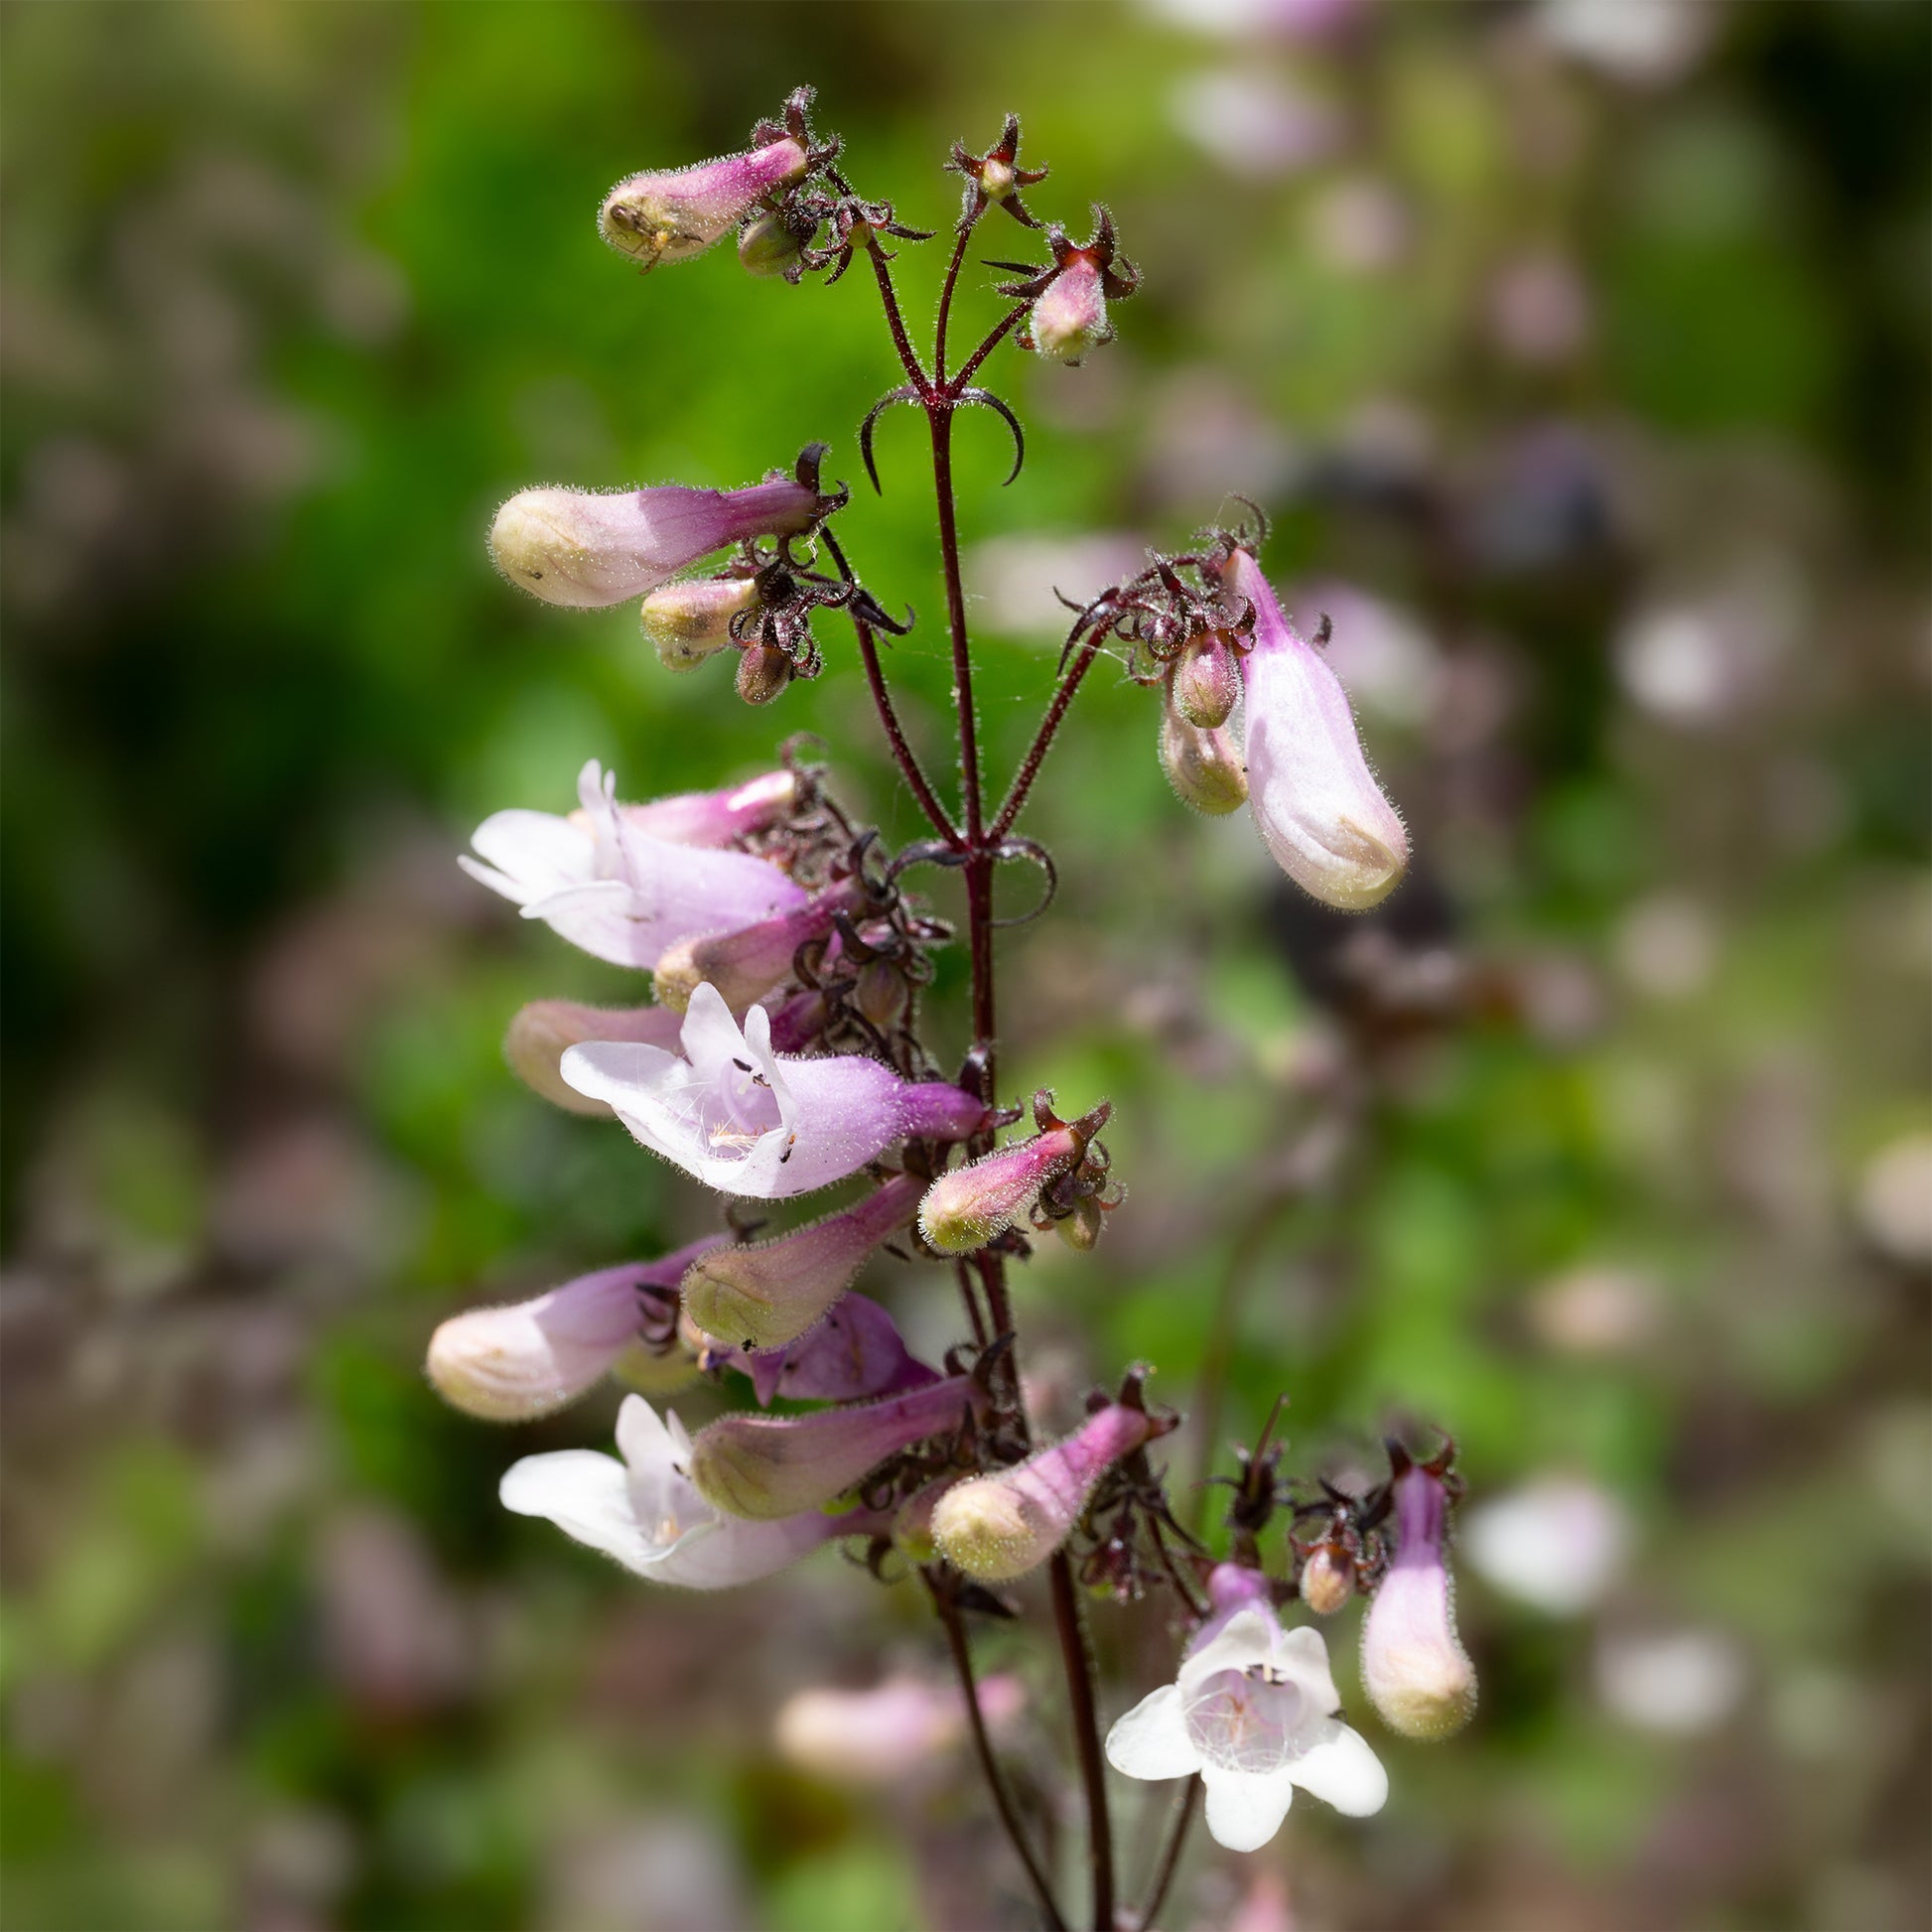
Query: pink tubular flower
(671, 215)
(747, 964)
(647, 1513)
(621, 893)
(1316, 803)
(545, 1030)
(766, 1466)
(509, 1364)
(586, 549)
(966, 1208)
(855, 1352)
(769, 1292)
(1414, 1667)
(717, 818)
(1254, 1711)
(732, 1114)
(994, 1527)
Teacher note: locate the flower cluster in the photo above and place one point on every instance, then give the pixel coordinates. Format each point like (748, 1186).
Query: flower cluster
(783, 1053)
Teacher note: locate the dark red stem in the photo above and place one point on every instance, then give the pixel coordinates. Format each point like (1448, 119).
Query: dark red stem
(1087, 1732)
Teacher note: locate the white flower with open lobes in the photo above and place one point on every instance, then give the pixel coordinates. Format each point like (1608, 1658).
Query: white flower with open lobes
(1253, 1712)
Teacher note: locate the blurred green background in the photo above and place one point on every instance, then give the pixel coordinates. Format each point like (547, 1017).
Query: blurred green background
(1576, 350)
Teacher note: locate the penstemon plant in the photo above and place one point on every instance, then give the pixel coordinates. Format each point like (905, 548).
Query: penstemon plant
(784, 1053)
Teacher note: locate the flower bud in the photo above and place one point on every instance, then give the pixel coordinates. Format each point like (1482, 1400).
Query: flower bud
(767, 1466)
(747, 964)
(1203, 767)
(912, 1526)
(763, 672)
(1327, 1579)
(1080, 1229)
(1316, 802)
(769, 1292)
(509, 1364)
(671, 215)
(995, 1527)
(770, 246)
(964, 1210)
(545, 1030)
(855, 1353)
(1205, 680)
(1414, 1667)
(586, 549)
(1069, 317)
(882, 994)
(689, 622)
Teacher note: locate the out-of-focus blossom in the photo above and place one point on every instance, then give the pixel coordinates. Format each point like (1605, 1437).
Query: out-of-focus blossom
(767, 1466)
(510, 1364)
(621, 895)
(1667, 946)
(1264, 1907)
(1700, 664)
(764, 1294)
(1680, 1682)
(1539, 310)
(1289, 20)
(1389, 664)
(1414, 1667)
(1211, 441)
(892, 1731)
(728, 1111)
(671, 215)
(1012, 578)
(1255, 1712)
(1895, 1201)
(1595, 1311)
(1317, 805)
(543, 1032)
(586, 548)
(646, 1512)
(1558, 1543)
(996, 1527)
(1639, 40)
(1257, 124)
(1360, 225)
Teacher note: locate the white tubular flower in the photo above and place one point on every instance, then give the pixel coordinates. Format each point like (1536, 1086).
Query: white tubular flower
(621, 895)
(732, 1114)
(1254, 1711)
(646, 1512)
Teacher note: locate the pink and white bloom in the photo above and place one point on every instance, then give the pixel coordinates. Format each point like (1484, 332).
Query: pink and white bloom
(1253, 1712)
(766, 1466)
(762, 1294)
(1315, 799)
(646, 1512)
(622, 894)
(586, 548)
(731, 1113)
(745, 964)
(509, 1364)
(996, 1527)
(670, 214)
(1414, 1667)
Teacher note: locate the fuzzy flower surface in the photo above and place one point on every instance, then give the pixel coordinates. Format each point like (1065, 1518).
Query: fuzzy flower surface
(616, 890)
(731, 1113)
(1253, 1712)
(646, 1511)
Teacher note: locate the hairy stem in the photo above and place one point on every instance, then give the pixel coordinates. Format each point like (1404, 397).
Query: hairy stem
(1087, 1732)
(962, 1658)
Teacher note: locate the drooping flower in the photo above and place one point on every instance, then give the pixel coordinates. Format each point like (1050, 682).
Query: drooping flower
(999, 1526)
(965, 1208)
(766, 1466)
(1414, 1667)
(509, 1364)
(1070, 312)
(1254, 1711)
(766, 1294)
(586, 548)
(745, 964)
(891, 1731)
(544, 1031)
(732, 1114)
(647, 1513)
(855, 1352)
(1315, 799)
(621, 893)
(671, 215)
